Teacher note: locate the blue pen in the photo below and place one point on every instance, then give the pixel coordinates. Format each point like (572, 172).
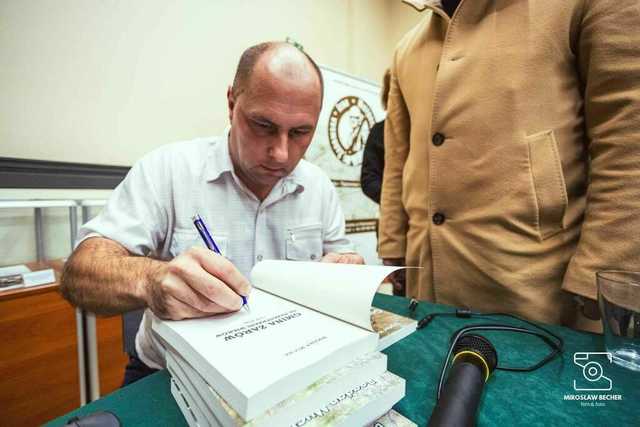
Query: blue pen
(204, 233)
(211, 244)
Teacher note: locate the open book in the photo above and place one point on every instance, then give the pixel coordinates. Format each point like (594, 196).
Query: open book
(305, 321)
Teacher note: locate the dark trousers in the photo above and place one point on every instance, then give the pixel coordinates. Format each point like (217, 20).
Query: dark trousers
(136, 370)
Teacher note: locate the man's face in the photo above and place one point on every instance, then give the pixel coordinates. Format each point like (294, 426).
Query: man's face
(272, 123)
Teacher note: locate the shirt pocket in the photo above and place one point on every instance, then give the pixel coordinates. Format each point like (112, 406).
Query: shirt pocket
(184, 239)
(548, 183)
(304, 242)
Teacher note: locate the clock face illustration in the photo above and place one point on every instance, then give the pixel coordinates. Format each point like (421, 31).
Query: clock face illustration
(350, 121)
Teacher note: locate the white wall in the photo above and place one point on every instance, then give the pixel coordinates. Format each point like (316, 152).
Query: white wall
(404, 17)
(107, 81)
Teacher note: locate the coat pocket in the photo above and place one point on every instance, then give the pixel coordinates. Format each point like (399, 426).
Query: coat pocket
(304, 242)
(548, 183)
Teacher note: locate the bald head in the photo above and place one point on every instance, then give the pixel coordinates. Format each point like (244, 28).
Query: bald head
(280, 60)
(274, 105)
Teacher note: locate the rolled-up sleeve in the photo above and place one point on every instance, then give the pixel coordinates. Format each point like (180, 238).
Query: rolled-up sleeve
(609, 65)
(134, 215)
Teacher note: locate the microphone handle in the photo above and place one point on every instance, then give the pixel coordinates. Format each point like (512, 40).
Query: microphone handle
(459, 398)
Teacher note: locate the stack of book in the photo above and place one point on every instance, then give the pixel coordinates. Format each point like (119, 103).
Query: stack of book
(306, 352)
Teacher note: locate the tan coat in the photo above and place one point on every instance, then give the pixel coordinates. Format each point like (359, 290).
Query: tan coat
(532, 99)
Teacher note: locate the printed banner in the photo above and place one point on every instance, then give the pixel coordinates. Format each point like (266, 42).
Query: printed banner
(351, 107)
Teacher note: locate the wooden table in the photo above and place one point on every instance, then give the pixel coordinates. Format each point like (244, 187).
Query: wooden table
(39, 368)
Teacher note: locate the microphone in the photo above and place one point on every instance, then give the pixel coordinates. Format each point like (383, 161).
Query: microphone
(474, 359)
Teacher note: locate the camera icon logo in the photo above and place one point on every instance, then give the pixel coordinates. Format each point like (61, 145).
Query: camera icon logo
(592, 371)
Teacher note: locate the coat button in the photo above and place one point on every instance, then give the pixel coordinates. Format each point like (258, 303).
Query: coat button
(259, 257)
(437, 139)
(438, 218)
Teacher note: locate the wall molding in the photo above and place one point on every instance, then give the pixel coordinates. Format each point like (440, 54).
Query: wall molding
(27, 173)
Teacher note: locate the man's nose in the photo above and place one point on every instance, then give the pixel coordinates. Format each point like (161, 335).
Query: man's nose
(280, 148)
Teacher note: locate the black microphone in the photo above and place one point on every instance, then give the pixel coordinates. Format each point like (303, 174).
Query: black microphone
(474, 359)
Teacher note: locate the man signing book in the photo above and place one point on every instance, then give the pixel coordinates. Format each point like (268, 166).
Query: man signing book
(258, 198)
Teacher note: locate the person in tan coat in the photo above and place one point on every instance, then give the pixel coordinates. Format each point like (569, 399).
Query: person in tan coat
(512, 154)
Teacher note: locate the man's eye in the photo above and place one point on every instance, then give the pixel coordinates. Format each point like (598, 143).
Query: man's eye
(299, 132)
(262, 125)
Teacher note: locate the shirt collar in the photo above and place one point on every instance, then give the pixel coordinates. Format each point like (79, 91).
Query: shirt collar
(296, 176)
(421, 5)
(433, 5)
(218, 157)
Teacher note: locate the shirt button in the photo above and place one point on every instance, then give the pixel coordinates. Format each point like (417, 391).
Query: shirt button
(438, 218)
(313, 256)
(259, 257)
(437, 139)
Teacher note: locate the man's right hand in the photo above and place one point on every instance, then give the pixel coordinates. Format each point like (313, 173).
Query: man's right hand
(397, 278)
(196, 283)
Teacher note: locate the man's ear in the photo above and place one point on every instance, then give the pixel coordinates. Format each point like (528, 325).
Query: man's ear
(231, 102)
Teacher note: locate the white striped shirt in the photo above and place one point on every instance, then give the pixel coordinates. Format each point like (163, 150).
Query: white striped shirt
(150, 213)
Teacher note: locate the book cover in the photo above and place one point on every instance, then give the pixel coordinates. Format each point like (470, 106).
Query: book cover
(298, 345)
(305, 320)
(286, 412)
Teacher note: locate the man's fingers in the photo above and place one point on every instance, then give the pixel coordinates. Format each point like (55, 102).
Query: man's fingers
(223, 269)
(210, 287)
(331, 257)
(352, 258)
(178, 310)
(176, 287)
(172, 287)
(345, 258)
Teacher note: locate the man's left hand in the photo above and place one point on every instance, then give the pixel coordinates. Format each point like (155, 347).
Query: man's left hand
(346, 258)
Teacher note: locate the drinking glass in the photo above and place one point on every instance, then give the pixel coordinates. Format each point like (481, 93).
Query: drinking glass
(619, 302)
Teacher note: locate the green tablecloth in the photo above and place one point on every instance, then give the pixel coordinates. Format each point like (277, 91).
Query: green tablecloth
(509, 399)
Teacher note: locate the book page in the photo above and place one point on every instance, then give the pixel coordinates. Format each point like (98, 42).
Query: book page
(344, 291)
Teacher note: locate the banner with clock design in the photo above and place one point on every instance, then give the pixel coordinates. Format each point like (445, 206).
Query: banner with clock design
(351, 107)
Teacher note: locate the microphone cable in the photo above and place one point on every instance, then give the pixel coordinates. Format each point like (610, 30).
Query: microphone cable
(555, 342)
